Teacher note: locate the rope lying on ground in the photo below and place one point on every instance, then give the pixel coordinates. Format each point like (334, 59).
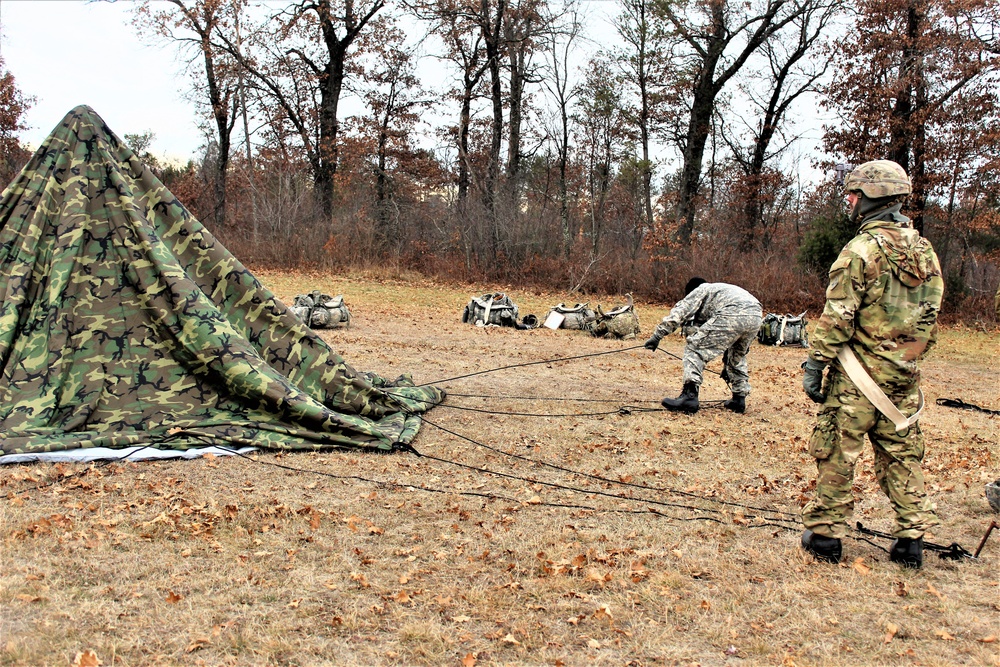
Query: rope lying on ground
(529, 363)
(962, 405)
(953, 551)
(598, 478)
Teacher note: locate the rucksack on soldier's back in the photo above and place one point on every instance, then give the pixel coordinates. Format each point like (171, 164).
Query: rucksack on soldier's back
(320, 311)
(783, 330)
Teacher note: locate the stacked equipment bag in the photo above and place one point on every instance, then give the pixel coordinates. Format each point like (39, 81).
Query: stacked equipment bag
(622, 322)
(578, 317)
(783, 330)
(496, 309)
(320, 311)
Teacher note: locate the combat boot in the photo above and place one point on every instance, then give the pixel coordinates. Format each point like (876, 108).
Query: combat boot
(908, 552)
(686, 402)
(827, 549)
(737, 404)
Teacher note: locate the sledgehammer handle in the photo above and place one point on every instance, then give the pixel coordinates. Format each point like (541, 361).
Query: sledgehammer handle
(993, 524)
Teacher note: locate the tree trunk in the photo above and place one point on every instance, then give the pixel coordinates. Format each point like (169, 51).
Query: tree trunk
(493, 35)
(464, 119)
(699, 127)
(331, 83)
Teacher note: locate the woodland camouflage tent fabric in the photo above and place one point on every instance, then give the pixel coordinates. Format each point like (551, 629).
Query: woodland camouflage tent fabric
(124, 322)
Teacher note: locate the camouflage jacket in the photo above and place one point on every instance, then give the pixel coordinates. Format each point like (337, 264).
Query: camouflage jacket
(883, 299)
(706, 301)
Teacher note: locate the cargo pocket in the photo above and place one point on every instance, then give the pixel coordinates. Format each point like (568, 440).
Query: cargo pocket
(824, 436)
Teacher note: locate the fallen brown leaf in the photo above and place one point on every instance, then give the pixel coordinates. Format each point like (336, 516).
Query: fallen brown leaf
(174, 598)
(890, 632)
(945, 635)
(87, 659)
(198, 643)
(603, 613)
(469, 660)
(860, 567)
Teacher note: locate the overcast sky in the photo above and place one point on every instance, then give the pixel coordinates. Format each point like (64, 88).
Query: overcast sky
(68, 52)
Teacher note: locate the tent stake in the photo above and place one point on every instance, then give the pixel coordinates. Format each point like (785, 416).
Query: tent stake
(993, 524)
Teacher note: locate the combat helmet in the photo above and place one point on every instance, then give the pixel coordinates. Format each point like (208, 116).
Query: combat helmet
(878, 179)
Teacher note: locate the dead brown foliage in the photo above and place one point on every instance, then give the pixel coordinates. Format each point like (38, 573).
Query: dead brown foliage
(392, 560)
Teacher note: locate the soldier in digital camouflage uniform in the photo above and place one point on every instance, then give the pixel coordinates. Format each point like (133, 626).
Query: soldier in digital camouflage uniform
(882, 300)
(724, 320)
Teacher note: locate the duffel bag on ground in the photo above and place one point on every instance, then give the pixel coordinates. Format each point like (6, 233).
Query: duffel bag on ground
(496, 308)
(783, 330)
(320, 311)
(622, 322)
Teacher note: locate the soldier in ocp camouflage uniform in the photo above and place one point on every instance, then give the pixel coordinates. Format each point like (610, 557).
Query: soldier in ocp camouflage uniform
(724, 320)
(882, 301)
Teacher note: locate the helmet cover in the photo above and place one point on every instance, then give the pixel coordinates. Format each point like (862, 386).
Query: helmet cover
(878, 179)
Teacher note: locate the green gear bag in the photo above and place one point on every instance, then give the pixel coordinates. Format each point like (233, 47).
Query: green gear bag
(320, 311)
(578, 317)
(496, 308)
(622, 322)
(781, 330)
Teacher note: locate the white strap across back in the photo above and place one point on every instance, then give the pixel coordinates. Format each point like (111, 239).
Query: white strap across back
(874, 393)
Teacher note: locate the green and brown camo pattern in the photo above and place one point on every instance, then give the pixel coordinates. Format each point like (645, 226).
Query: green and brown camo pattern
(883, 299)
(124, 322)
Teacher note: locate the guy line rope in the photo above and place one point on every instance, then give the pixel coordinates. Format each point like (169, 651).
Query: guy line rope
(778, 519)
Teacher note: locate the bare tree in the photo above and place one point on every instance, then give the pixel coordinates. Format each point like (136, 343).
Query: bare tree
(790, 73)
(464, 46)
(191, 24)
(298, 60)
(718, 38)
(600, 122)
(560, 44)
(395, 99)
(644, 60)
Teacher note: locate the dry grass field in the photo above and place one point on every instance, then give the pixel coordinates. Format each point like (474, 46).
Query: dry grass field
(609, 539)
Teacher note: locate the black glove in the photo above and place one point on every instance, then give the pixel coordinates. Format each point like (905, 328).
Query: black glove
(812, 381)
(652, 343)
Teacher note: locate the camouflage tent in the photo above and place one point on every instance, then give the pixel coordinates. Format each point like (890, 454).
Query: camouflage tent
(124, 322)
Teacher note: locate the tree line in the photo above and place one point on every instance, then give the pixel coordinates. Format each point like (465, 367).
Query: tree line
(625, 159)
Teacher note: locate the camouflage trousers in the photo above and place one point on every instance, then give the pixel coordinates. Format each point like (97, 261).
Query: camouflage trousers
(728, 333)
(838, 441)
